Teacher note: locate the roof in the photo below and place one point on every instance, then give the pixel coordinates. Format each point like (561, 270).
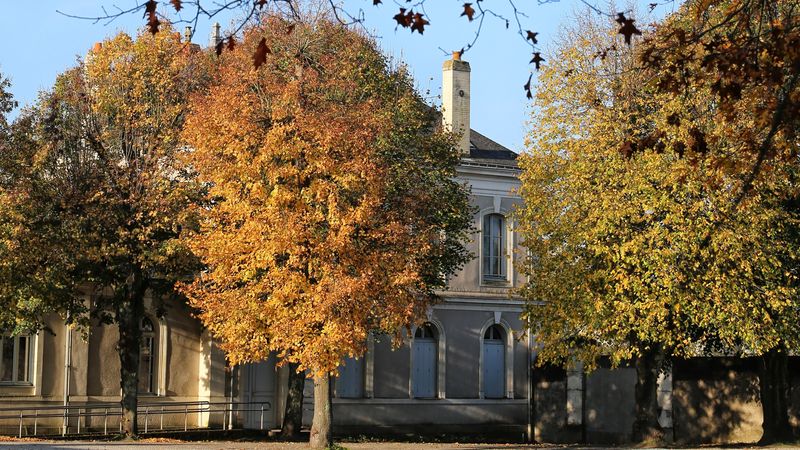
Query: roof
(486, 152)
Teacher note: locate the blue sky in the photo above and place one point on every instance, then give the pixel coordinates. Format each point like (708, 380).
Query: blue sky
(37, 43)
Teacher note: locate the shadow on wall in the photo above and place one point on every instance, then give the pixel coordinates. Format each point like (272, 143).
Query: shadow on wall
(550, 407)
(794, 394)
(716, 400)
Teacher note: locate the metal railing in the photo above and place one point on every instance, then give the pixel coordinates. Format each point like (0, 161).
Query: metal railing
(204, 412)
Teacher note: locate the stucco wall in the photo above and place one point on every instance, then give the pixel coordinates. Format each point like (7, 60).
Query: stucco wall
(716, 400)
(391, 369)
(609, 407)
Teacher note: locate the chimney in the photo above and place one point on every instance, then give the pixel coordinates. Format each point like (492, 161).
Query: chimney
(187, 35)
(215, 36)
(455, 99)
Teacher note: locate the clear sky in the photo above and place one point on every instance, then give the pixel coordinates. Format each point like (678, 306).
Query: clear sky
(37, 43)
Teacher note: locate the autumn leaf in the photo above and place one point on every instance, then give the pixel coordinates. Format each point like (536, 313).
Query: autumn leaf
(527, 87)
(177, 5)
(468, 11)
(531, 36)
(260, 55)
(231, 43)
(150, 8)
(628, 29)
(376, 2)
(218, 48)
(403, 19)
(419, 23)
(153, 23)
(537, 60)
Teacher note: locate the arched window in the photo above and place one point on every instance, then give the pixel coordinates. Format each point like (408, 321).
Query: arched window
(494, 362)
(147, 355)
(350, 382)
(424, 362)
(494, 261)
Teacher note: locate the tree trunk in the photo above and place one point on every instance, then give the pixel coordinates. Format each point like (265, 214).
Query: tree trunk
(129, 311)
(321, 433)
(645, 426)
(293, 417)
(773, 380)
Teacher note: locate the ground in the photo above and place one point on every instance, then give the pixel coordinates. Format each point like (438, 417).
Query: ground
(163, 444)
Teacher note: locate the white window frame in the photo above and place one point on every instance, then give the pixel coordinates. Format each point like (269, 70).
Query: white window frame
(507, 247)
(30, 349)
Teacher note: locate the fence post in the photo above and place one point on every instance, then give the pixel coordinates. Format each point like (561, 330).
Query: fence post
(79, 421)
(146, 413)
(35, 421)
(20, 424)
(105, 421)
(185, 417)
(162, 418)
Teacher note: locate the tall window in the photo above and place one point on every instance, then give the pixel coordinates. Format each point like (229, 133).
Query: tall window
(147, 354)
(15, 359)
(494, 262)
(494, 362)
(425, 361)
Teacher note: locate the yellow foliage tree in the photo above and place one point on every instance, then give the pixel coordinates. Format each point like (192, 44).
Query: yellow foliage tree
(618, 217)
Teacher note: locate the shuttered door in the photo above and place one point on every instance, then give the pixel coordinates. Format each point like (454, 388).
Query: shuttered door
(350, 383)
(493, 368)
(423, 375)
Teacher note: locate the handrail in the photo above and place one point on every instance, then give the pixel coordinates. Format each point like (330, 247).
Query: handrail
(144, 410)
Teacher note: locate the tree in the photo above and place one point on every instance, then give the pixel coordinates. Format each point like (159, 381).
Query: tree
(619, 205)
(335, 210)
(97, 195)
(744, 56)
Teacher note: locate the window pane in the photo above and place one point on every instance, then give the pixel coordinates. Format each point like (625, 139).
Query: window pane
(7, 369)
(146, 365)
(493, 259)
(22, 362)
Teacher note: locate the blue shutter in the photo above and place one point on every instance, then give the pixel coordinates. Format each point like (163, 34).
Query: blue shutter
(494, 368)
(350, 382)
(423, 375)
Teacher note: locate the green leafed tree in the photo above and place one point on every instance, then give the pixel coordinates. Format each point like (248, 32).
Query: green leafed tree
(94, 198)
(641, 248)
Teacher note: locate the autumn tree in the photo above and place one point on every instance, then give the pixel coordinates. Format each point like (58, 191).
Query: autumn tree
(744, 56)
(618, 218)
(335, 210)
(95, 189)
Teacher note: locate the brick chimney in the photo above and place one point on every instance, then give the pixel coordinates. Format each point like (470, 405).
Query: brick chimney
(455, 99)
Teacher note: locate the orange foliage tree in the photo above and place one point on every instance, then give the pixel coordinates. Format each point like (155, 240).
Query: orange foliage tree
(334, 210)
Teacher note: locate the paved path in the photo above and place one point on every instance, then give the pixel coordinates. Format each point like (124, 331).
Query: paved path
(164, 444)
(217, 445)
(59, 445)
